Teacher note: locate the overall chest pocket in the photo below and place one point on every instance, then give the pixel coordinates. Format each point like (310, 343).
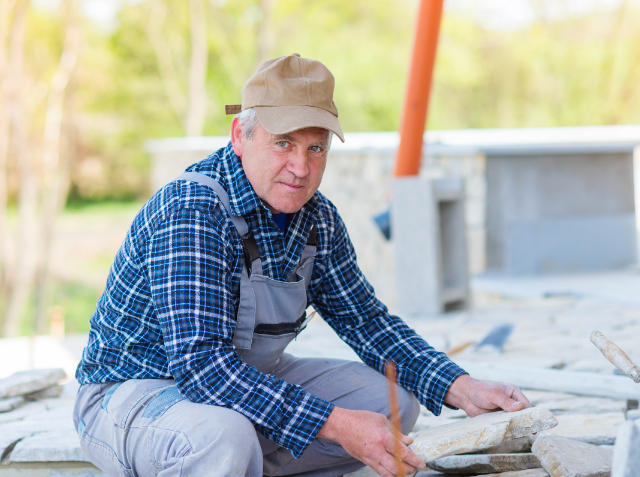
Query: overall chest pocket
(279, 313)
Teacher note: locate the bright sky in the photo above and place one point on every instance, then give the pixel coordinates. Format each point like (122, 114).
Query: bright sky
(494, 14)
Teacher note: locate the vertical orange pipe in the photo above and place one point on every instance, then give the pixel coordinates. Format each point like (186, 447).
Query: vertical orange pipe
(414, 116)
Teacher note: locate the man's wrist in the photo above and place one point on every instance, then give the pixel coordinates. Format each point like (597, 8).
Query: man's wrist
(458, 393)
(330, 428)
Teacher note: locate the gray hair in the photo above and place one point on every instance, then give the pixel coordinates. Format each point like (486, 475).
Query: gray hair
(248, 120)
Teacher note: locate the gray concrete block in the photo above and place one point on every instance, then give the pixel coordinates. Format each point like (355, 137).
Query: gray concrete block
(430, 244)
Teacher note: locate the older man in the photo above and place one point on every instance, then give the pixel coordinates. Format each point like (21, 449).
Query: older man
(185, 371)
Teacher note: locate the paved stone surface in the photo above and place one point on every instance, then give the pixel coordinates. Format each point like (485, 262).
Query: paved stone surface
(25, 382)
(596, 429)
(54, 446)
(562, 457)
(486, 463)
(51, 469)
(585, 405)
(9, 404)
(626, 453)
(519, 473)
(480, 432)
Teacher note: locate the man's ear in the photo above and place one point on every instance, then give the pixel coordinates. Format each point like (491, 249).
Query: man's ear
(237, 138)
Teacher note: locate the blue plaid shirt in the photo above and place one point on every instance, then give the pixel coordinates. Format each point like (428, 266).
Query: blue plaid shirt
(169, 306)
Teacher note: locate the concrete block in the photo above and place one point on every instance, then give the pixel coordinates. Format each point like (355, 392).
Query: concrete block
(481, 432)
(568, 458)
(429, 240)
(626, 455)
(487, 463)
(26, 382)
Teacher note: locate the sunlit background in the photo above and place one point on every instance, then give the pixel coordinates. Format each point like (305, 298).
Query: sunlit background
(87, 83)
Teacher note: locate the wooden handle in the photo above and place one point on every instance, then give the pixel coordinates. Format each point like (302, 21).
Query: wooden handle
(616, 356)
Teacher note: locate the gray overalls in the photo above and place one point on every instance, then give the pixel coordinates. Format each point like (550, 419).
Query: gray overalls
(271, 313)
(147, 428)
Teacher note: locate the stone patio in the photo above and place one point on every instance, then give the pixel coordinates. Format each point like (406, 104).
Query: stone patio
(38, 438)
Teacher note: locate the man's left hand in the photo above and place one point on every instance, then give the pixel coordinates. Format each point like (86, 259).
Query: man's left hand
(478, 397)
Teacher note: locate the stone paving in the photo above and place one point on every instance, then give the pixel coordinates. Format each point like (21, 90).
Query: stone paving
(38, 438)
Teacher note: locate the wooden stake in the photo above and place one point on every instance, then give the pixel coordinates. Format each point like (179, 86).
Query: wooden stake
(394, 406)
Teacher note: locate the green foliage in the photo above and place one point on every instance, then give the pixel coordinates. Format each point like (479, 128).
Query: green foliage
(575, 71)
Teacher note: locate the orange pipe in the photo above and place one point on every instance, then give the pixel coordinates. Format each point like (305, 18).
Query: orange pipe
(414, 116)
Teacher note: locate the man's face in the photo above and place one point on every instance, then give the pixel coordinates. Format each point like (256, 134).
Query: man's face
(285, 170)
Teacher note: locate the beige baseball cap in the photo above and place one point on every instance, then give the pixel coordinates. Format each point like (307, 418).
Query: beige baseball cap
(291, 93)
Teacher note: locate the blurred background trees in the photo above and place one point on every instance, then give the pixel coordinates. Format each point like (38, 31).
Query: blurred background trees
(80, 94)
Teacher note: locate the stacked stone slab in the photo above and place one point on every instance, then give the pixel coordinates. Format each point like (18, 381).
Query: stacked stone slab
(481, 432)
(30, 385)
(562, 457)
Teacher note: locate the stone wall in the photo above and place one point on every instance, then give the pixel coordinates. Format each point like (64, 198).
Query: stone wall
(358, 181)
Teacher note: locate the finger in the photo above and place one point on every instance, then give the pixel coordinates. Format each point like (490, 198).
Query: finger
(408, 457)
(389, 465)
(505, 402)
(519, 396)
(406, 440)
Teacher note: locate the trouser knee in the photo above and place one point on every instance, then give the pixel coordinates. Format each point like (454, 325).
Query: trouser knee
(409, 409)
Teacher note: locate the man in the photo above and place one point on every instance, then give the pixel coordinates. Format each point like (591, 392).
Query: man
(185, 371)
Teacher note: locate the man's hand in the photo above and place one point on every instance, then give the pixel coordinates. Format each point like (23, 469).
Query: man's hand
(369, 437)
(478, 397)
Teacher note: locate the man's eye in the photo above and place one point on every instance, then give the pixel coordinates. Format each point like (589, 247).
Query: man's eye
(282, 143)
(316, 148)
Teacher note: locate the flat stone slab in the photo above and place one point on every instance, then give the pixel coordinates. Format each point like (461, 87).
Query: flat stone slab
(585, 405)
(485, 463)
(26, 382)
(519, 445)
(519, 473)
(562, 457)
(626, 453)
(481, 432)
(51, 469)
(50, 392)
(596, 429)
(9, 404)
(55, 446)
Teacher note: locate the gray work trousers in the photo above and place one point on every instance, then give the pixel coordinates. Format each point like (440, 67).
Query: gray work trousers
(146, 428)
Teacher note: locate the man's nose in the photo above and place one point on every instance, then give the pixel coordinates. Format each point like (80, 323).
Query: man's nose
(298, 163)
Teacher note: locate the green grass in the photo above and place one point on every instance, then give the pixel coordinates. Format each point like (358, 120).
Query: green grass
(78, 302)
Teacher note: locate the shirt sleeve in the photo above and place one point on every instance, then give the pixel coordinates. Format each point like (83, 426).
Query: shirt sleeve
(347, 302)
(191, 264)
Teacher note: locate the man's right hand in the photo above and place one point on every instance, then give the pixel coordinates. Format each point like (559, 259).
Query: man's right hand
(369, 437)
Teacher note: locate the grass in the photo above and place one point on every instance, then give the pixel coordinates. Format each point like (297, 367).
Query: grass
(77, 302)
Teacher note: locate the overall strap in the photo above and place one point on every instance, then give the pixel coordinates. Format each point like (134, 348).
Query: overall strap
(210, 182)
(248, 242)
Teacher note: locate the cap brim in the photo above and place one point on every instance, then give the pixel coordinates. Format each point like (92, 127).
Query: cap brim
(285, 119)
